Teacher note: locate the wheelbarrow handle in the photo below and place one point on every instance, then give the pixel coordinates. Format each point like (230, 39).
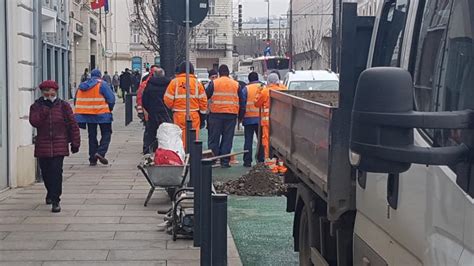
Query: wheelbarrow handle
(225, 155)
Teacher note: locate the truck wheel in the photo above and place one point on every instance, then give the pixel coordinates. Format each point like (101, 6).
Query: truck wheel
(305, 250)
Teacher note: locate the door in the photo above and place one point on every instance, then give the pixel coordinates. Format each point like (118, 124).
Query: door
(3, 104)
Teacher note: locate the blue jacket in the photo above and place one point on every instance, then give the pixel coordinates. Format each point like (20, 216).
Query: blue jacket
(243, 104)
(109, 98)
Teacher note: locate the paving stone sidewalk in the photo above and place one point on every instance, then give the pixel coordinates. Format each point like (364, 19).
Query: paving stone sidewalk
(103, 220)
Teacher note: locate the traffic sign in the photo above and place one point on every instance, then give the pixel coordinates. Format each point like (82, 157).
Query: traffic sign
(197, 11)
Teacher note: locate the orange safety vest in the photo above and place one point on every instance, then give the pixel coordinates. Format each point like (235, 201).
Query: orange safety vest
(175, 96)
(225, 98)
(251, 110)
(264, 99)
(91, 102)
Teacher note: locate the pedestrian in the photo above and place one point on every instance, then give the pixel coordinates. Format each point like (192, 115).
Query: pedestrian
(154, 106)
(263, 102)
(225, 95)
(85, 75)
(94, 104)
(146, 73)
(107, 78)
(251, 121)
(136, 79)
(175, 99)
(56, 129)
(141, 113)
(116, 81)
(125, 83)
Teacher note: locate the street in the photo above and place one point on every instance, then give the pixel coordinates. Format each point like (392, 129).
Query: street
(103, 221)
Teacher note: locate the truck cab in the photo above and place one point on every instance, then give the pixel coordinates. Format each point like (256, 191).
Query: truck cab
(383, 172)
(433, 222)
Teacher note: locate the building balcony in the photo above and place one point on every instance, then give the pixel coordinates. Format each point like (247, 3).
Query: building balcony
(213, 47)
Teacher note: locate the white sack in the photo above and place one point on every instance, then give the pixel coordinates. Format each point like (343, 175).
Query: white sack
(169, 138)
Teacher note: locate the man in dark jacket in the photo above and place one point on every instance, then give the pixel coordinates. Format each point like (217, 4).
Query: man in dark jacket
(125, 82)
(56, 128)
(154, 105)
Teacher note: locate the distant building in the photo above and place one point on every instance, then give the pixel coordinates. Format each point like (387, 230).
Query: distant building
(212, 41)
(251, 40)
(312, 24)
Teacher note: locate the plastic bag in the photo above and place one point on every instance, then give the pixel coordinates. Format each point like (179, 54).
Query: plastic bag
(167, 157)
(169, 138)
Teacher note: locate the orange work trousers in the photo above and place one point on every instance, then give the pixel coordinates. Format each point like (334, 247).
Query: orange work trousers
(179, 119)
(266, 140)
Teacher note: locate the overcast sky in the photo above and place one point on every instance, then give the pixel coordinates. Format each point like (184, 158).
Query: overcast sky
(258, 8)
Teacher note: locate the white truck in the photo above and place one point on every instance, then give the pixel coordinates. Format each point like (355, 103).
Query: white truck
(382, 173)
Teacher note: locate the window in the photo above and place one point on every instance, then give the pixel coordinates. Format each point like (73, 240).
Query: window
(211, 38)
(135, 34)
(429, 54)
(212, 7)
(390, 33)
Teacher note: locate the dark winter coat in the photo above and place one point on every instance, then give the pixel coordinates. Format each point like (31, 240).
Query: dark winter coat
(56, 128)
(153, 99)
(126, 81)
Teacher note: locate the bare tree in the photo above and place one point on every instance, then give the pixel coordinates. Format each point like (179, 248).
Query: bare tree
(145, 18)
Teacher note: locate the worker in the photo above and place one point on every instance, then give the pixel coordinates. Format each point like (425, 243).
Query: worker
(141, 113)
(263, 102)
(251, 121)
(175, 99)
(225, 95)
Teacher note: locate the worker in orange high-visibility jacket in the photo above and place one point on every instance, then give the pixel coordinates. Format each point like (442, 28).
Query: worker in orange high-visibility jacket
(94, 103)
(251, 121)
(175, 99)
(225, 108)
(263, 102)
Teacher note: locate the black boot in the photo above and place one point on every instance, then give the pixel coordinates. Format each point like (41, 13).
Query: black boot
(56, 207)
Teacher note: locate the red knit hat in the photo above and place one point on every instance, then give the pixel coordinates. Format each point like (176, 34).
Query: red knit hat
(49, 84)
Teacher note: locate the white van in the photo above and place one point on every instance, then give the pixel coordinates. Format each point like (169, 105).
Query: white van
(312, 80)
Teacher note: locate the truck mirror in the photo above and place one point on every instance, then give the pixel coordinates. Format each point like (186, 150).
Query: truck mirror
(383, 119)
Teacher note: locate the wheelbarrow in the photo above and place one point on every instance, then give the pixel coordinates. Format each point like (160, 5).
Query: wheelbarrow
(169, 177)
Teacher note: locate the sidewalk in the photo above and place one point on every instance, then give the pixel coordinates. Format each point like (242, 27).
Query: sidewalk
(103, 220)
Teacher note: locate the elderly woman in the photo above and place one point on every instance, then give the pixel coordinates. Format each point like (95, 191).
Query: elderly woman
(56, 129)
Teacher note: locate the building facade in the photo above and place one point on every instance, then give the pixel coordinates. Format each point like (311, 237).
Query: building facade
(212, 41)
(22, 40)
(312, 25)
(251, 38)
(367, 7)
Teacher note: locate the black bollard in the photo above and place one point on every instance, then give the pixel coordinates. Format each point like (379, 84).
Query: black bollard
(219, 229)
(192, 139)
(206, 213)
(195, 178)
(129, 108)
(189, 127)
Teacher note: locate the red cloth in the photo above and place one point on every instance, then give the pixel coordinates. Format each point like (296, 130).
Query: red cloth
(97, 3)
(167, 157)
(56, 128)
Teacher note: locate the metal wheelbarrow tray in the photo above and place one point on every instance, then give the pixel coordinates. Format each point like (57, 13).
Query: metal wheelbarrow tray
(169, 177)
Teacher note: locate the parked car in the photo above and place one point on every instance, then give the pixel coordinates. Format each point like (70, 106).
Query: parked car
(202, 75)
(320, 80)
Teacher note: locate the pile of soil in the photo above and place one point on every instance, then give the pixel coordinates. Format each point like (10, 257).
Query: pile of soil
(258, 182)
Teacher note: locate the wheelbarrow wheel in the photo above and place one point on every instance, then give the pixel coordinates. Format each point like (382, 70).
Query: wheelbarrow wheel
(171, 191)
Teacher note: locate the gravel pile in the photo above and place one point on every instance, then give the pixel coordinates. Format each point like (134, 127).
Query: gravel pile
(258, 182)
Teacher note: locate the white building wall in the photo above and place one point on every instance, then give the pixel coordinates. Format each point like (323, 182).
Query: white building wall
(120, 34)
(20, 88)
(367, 7)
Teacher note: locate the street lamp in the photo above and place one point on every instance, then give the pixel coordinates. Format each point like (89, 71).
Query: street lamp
(268, 20)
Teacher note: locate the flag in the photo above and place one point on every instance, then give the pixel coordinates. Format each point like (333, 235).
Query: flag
(95, 4)
(106, 6)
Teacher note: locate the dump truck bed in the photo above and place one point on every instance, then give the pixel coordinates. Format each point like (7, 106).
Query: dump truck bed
(303, 134)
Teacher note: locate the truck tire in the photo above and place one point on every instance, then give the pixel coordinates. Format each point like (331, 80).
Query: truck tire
(305, 249)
